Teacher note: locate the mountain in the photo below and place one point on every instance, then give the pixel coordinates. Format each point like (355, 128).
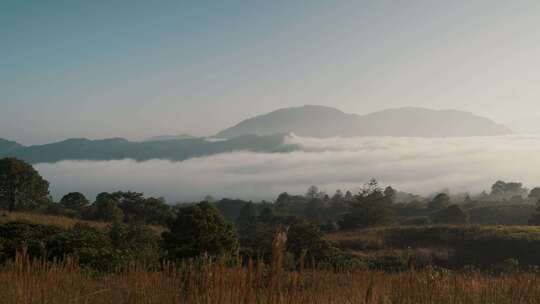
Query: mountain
(320, 121)
(119, 148)
(168, 137)
(7, 146)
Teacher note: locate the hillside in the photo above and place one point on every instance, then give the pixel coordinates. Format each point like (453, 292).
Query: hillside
(320, 121)
(7, 146)
(118, 148)
(169, 137)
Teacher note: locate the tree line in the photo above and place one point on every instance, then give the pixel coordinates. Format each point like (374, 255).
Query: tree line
(224, 227)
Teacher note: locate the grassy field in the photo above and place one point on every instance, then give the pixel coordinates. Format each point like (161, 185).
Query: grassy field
(227, 282)
(36, 282)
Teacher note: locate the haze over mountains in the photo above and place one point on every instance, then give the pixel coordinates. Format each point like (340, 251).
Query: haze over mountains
(266, 133)
(322, 122)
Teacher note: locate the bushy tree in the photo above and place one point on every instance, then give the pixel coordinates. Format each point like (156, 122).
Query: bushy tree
(452, 214)
(248, 215)
(534, 195)
(370, 208)
(440, 201)
(198, 230)
(21, 186)
(74, 200)
(535, 218)
(106, 209)
(506, 190)
(312, 193)
(314, 210)
(306, 239)
(230, 208)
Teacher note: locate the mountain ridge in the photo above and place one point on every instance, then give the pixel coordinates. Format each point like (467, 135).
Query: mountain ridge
(323, 121)
(119, 148)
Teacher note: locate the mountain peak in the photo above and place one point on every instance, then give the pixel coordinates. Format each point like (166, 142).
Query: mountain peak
(323, 121)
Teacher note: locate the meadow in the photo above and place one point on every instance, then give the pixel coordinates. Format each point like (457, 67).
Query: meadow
(216, 282)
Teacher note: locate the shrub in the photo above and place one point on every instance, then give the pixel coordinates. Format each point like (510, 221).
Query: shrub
(198, 230)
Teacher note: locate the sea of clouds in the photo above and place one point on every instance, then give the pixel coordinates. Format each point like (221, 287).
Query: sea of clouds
(418, 165)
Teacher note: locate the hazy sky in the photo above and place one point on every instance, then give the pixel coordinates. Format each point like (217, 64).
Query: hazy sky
(140, 68)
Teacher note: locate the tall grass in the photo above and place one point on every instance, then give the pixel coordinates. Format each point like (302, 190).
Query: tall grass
(208, 281)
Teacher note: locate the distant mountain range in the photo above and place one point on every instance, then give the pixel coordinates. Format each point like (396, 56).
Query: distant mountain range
(266, 133)
(119, 148)
(322, 122)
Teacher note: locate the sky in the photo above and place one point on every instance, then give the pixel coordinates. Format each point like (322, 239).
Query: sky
(135, 69)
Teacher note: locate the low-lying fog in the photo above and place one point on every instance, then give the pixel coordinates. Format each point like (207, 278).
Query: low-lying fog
(416, 165)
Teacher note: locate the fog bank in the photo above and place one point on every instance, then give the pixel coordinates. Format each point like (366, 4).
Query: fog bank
(416, 165)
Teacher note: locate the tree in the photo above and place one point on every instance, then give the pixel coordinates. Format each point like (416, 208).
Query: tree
(248, 215)
(506, 190)
(266, 215)
(304, 238)
(230, 208)
(74, 200)
(452, 214)
(535, 218)
(197, 230)
(534, 195)
(314, 211)
(107, 208)
(390, 193)
(349, 197)
(371, 208)
(21, 186)
(337, 198)
(312, 192)
(440, 201)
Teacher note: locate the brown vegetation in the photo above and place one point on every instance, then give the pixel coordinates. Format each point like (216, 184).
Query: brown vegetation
(25, 281)
(45, 219)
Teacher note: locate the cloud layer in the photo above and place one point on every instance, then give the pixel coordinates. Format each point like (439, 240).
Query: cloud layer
(416, 165)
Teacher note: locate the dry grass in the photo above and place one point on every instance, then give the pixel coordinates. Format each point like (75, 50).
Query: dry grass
(28, 282)
(56, 220)
(43, 219)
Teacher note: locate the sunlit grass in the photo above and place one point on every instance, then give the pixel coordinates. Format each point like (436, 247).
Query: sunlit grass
(57, 221)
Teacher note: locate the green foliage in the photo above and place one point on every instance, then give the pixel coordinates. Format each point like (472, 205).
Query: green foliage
(501, 214)
(534, 195)
(440, 201)
(198, 230)
(481, 246)
(371, 208)
(74, 200)
(92, 247)
(450, 215)
(247, 216)
(25, 237)
(138, 209)
(106, 209)
(230, 208)
(21, 187)
(305, 239)
(535, 218)
(507, 190)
